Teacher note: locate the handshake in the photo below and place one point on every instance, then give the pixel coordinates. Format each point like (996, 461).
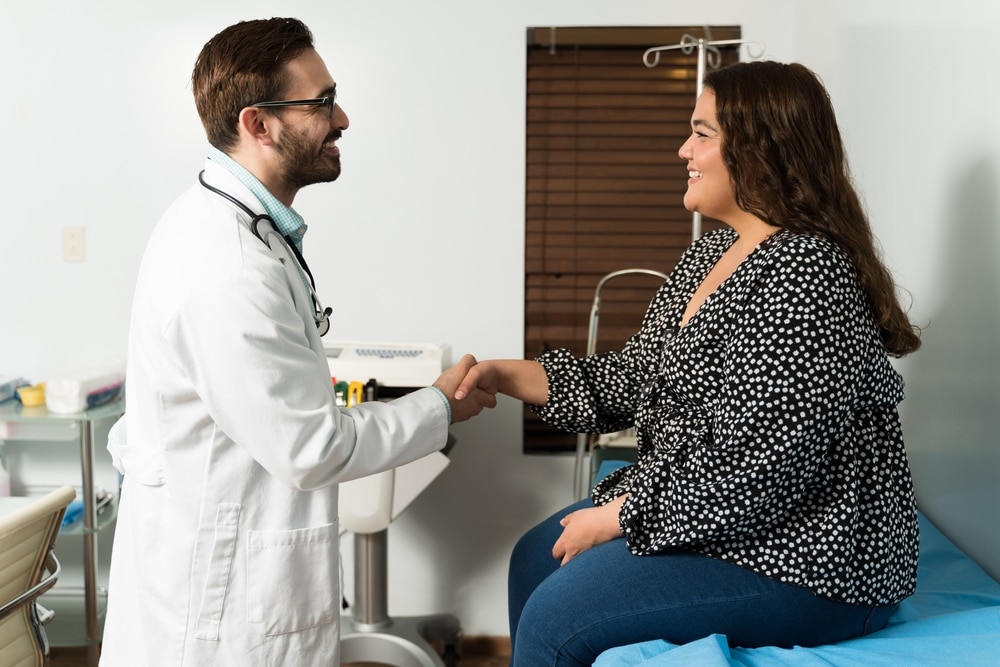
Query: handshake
(466, 390)
(471, 386)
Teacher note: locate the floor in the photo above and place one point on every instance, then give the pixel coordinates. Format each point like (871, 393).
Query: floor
(67, 657)
(476, 652)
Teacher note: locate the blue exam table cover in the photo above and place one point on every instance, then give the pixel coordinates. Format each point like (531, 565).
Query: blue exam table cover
(953, 618)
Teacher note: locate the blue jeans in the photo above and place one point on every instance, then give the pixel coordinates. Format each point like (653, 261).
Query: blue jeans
(608, 597)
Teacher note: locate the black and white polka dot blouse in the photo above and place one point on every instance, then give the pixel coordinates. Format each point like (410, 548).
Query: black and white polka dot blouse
(768, 434)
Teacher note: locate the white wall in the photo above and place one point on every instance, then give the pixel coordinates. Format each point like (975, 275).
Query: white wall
(422, 237)
(917, 97)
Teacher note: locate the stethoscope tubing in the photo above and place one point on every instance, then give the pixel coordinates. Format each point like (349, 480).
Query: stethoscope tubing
(322, 314)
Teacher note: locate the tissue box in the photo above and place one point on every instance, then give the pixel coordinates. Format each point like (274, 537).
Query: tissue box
(80, 391)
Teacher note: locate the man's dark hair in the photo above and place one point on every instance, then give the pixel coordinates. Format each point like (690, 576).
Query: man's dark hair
(241, 66)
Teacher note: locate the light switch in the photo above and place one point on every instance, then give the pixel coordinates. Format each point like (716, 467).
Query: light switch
(74, 247)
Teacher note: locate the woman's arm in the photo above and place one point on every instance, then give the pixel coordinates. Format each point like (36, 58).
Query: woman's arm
(519, 378)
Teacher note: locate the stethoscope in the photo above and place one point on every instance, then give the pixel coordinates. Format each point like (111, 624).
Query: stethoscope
(321, 315)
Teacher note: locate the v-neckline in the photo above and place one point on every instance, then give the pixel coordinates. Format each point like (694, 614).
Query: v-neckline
(683, 324)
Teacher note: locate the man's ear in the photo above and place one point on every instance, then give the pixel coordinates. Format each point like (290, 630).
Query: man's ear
(256, 125)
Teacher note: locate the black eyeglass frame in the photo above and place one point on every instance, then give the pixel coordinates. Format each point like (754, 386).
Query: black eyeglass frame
(329, 101)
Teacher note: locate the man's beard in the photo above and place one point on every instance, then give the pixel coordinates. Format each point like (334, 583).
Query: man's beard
(305, 164)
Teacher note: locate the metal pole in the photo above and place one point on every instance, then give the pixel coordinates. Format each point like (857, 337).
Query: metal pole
(371, 595)
(699, 86)
(89, 543)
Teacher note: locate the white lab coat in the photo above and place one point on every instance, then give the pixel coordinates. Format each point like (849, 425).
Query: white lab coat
(226, 547)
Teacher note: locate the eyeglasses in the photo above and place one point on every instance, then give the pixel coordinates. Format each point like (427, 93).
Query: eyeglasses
(329, 102)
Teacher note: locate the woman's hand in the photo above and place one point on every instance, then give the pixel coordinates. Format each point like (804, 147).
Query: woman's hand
(587, 528)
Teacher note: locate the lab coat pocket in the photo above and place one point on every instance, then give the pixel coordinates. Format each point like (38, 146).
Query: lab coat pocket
(292, 579)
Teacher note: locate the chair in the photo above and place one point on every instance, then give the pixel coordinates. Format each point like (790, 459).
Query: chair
(28, 568)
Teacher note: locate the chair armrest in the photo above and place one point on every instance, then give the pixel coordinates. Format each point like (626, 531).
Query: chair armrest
(54, 569)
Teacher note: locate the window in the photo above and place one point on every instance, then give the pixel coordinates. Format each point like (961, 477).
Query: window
(604, 184)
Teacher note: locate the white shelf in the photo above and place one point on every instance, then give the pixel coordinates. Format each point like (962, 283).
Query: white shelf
(45, 449)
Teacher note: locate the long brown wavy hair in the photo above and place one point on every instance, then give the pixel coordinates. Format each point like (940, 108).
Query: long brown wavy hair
(784, 153)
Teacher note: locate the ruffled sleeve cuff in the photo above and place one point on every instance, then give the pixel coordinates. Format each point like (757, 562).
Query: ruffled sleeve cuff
(563, 407)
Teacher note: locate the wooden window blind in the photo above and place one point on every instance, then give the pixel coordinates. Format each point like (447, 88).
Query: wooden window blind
(604, 184)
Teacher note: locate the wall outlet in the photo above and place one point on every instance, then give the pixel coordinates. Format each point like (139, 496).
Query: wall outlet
(74, 247)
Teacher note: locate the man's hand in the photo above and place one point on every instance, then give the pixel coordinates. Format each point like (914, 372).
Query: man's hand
(472, 402)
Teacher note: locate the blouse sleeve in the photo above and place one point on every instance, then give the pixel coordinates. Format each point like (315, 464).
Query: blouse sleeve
(593, 394)
(800, 356)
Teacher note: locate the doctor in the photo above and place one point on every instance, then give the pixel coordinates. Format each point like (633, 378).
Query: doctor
(226, 549)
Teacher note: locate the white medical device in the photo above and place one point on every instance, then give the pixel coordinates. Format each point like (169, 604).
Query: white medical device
(370, 503)
(400, 365)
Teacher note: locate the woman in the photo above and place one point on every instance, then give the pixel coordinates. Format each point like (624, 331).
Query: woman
(772, 500)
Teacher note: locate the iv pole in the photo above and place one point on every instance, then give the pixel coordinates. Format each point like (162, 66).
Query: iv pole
(651, 58)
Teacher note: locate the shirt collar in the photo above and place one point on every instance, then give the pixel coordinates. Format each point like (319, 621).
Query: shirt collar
(289, 223)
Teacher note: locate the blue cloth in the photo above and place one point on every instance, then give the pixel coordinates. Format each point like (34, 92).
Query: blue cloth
(73, 512)
(952, 619)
